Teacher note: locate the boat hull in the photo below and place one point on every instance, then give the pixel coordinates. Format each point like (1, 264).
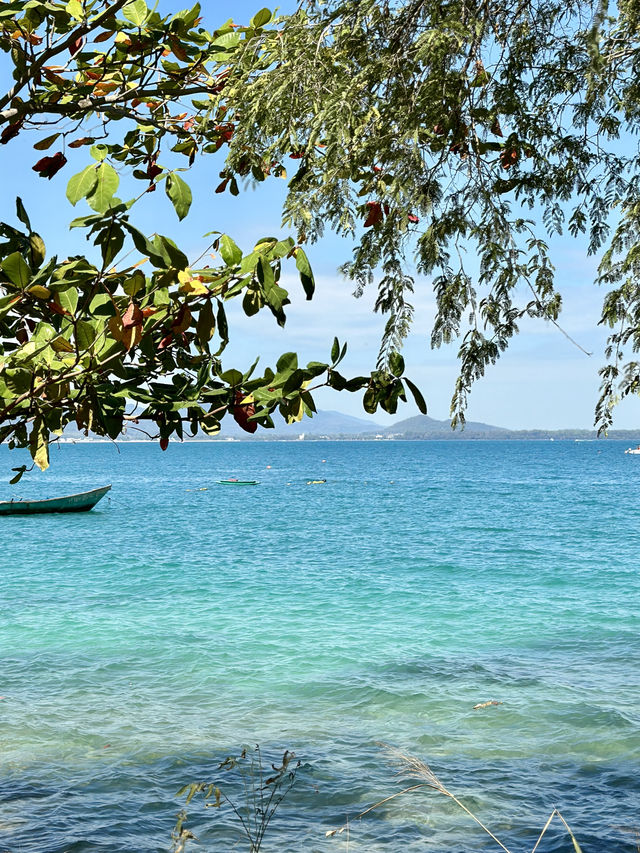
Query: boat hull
(238, 482)
(82, 502)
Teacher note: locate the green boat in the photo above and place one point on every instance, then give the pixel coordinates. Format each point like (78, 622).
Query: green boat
(238, 482)
(81, 502)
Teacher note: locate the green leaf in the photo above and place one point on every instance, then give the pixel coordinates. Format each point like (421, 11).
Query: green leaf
(260, 18)
(396, 364)
(74, 8)
(417, 396)
(16, 269)
(145, 247)
(369, 401)
(335, 351)
(18, 476)
(229, 251)
(252, 301)
(231, 377)
(107, 182)
(38, 249)
(223, 327)
(287, 362)
(306, 275)
(68, 299)
(99, 152)
(17, 380)
(135, 283)
(47, 142)
(265, 275)
(206, 323)
(136, 12)
(6, 304)
(188, 17)
(179, 193)
(82, 184)
(85, 335)
(22, 213)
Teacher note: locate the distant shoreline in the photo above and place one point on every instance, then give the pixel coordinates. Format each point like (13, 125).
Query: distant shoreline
(630, 436)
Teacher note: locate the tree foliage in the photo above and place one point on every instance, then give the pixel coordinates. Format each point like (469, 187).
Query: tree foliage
(436, 132)
(427, 131)
(136, 331)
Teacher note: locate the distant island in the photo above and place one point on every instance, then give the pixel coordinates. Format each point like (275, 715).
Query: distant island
(335, 426)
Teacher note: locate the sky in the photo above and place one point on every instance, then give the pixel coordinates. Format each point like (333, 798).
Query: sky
(542, 381)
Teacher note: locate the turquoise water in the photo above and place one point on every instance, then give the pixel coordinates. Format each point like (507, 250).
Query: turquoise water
(142, 643)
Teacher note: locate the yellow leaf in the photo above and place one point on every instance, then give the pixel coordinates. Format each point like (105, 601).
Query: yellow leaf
(39, 444)
(116, 328)
(132, 336)
(61, 344)
(294, 416)
(39, 291)
(193, 286)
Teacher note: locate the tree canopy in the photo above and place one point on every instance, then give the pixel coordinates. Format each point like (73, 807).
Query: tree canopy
(428, 132)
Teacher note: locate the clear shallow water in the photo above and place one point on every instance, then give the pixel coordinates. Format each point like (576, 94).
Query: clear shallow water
(142, 643)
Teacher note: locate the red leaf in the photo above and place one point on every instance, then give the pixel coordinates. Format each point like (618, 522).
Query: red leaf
(509, 157)
(165, 342)
(10, 131)
(226, 131)
(76, 45)
(133, 316)
(242, 413)
(375, 214)
(48, 166)
(78, 143)
(413, 218)
(152, 170)
(182, 320)
(164, 443)
(222, 187)
(58, 309)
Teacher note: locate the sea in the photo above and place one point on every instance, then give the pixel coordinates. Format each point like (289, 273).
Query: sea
(357, 623)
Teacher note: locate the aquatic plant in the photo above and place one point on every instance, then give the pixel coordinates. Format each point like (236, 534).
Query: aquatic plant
(259, 801)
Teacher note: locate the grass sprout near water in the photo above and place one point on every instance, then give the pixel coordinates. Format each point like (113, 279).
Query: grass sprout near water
(410, 767)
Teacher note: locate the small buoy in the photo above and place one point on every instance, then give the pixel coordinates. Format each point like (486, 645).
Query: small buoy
(324, 460)
(268, 466)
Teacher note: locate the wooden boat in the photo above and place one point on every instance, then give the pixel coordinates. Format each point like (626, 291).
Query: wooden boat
(238, 482)
(82, 502)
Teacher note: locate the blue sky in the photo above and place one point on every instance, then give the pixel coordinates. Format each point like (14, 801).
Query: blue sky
(542, 381)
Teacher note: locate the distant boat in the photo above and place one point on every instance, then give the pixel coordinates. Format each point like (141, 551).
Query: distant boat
(634, 450)
(238, 482)
(81, 502)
